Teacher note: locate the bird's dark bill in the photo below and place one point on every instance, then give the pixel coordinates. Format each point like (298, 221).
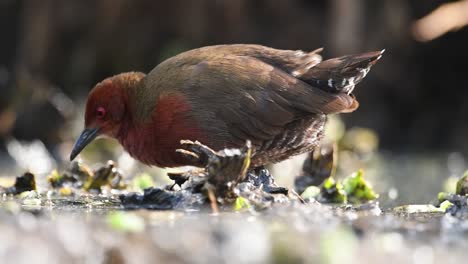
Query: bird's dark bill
(88, 135)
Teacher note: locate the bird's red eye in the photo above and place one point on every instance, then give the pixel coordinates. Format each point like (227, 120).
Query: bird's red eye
(100, 112)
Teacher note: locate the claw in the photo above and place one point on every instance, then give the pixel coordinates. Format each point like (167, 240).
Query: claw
(197, 152)
(197, 147)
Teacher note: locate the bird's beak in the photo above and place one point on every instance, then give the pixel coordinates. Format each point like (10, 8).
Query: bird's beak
(85, 138)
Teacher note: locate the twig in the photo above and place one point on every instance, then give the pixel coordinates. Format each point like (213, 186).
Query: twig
(213, 202)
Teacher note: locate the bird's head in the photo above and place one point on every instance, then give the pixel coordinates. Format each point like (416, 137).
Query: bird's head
(106, 108)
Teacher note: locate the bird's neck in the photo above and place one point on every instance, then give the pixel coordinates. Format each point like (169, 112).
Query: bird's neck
(137, 140)
(143, 98)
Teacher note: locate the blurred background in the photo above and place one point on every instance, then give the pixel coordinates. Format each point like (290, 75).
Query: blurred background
(415, 101)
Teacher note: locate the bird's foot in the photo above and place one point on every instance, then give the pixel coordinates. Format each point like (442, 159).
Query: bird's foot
(197, 153)
(224, 166)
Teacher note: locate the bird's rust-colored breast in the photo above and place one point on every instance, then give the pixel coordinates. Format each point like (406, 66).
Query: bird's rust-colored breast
(155, 141)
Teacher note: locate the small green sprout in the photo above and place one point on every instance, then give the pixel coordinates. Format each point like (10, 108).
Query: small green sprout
(357, 189)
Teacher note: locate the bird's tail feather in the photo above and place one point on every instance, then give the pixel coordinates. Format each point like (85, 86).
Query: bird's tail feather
(341, 74)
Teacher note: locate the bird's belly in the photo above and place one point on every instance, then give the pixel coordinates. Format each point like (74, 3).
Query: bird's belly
(299, 137)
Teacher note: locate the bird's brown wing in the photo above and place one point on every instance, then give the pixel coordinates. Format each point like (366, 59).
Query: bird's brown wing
(240, 97)
(334, 75)
(295, 62)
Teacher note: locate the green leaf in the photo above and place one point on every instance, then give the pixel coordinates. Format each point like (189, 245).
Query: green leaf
(241, 203)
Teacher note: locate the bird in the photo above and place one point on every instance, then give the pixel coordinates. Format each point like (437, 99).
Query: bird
(223, 96)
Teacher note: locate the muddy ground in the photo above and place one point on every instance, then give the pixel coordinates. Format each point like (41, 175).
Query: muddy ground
(70, 221)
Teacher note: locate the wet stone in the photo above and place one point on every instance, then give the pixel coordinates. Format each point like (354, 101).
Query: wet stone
(160, 199)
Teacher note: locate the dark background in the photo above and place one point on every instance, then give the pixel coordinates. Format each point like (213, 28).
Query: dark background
(416, 97)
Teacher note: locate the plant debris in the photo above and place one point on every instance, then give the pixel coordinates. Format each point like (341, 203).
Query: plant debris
(24, 183)
(192, 195)
(74, 177)
(332, 191)
(108, 175)
(78, 176)
(456, 203)
(353, 189)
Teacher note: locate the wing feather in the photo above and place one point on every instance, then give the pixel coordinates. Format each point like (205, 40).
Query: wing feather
(253, 99)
